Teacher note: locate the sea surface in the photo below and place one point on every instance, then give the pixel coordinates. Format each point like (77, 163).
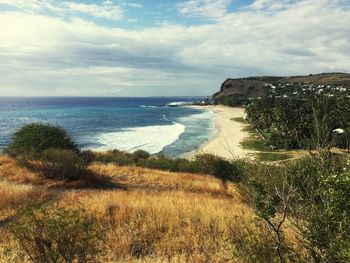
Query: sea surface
(128, 124)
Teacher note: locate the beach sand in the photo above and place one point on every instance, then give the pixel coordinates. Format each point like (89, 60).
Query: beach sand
(229, 135)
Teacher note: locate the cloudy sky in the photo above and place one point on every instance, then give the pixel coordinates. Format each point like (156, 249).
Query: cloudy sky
(164, 47)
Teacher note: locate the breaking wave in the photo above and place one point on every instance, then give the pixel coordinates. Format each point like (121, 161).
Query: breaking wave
(152, 139)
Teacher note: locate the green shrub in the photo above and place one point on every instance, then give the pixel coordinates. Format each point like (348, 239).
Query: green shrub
(88, 156)
(140, 155)
(60, 164)
(313, 192)
(165, 164)
(58, 235)
(115, 156)
(169, 164)
(217, 166)
(328, 223)
(37, 137)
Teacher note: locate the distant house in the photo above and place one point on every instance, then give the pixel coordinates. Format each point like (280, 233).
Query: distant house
(338, 131)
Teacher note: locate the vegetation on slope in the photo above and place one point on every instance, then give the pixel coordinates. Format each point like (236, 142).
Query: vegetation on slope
(306, 122)
(232, 211)
(147, 216)
(238, 92)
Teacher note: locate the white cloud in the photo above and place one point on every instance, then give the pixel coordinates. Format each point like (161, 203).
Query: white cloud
(81, 58)
(211, 9)
(271, 4)
(107, 10)
(134, 5)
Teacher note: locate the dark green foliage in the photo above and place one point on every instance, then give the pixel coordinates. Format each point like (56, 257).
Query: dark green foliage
(169, 164)
(273, 204)
(232, 101)
(205, 163)
(264, 203)
(88, 156)
(140, 155)
(256, 144)
(302, 122)
(52, 235)
(60, 164)
(217, 166)
(35, 138)
(313, 192)
(47, 149)
(115, 156)
(328, 223)
(238, 119)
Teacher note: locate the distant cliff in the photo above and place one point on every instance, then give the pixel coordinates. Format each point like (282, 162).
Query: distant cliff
(238, 91)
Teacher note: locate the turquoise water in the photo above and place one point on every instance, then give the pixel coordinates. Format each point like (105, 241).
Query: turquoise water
(128, 124)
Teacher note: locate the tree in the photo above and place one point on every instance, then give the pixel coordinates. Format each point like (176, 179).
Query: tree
(37, 137)
(273, 205)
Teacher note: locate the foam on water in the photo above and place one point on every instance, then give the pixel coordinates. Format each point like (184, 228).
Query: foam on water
(149, 106)
(206, 115)
(152, 139)
(199, 128)
(178, 103)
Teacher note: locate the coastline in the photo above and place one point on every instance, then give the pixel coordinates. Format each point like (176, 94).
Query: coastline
(228, 136)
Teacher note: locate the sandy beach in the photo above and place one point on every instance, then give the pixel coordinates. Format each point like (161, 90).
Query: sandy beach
(229, 135)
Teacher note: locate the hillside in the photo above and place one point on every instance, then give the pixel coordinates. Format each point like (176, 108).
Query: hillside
(150, 215)
(252, 87)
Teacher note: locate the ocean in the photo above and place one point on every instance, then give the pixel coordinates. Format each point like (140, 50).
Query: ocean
(126, 124)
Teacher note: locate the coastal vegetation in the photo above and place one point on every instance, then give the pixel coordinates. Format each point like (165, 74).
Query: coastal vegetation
(300, 122)
(300, 112)
(211, 210)
(268, 214)
(48, 150)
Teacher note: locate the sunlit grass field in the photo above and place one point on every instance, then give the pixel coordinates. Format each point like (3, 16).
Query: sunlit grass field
(148, 215)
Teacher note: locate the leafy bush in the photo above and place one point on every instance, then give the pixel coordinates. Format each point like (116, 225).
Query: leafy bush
(61, 164)
(169, 164)
(88, 156)
(115, 156)
(217, 166)
(205, 163)
(58, 235)
(328, 224)
(37, 137)
(140, 155)
(313, 193)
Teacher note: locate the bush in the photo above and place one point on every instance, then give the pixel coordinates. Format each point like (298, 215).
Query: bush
(35, 138)
(88, 156)
(169, 164)
(313, 192)
(328, 224)
(61, 164)
(115, 156)
(217, 166)
(58, 235)
(140, 155)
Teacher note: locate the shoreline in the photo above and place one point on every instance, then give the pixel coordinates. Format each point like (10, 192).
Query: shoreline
(228, 136)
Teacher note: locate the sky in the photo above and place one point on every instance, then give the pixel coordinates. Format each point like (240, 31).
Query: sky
(164, 48)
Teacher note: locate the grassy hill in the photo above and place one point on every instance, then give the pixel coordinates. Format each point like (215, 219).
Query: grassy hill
(67, 205)
(148, 215)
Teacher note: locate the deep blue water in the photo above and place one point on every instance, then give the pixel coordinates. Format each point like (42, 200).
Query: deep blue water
(113, 123)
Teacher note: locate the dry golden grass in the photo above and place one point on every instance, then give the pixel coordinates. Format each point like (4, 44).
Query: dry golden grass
(152, 216)
(166, 224)
(11, 172)
(155, 180)
(13, 194)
